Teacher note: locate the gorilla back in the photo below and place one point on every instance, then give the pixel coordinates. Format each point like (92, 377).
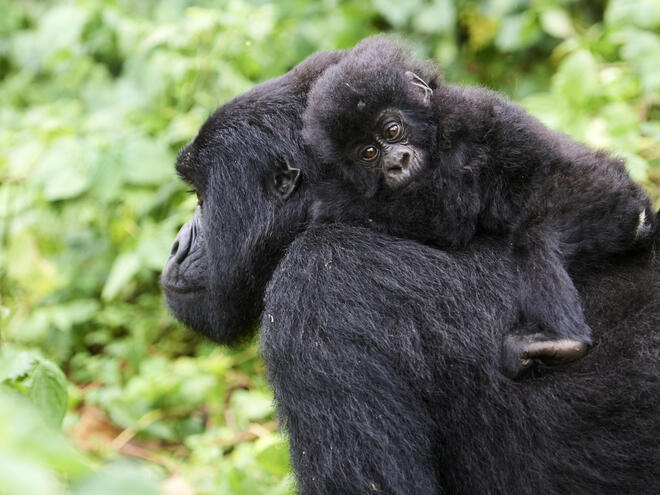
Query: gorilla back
(382, 353)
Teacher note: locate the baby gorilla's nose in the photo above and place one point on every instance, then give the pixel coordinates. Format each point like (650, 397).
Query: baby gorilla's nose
(405, 159)
(398, 163)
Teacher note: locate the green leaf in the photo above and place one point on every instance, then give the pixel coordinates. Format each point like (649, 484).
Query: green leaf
(48, 391)
(58, 29)
(621, 118)
(556, 22)
(66, 184)
(123, 270)
(501, 8)
(577, 78)
(106, 177)
(125, 477)
(63, 171)
(14, 364)
(155, 244)
(517, 32)
(547, 108)
(396, 13)
(274, 456)
(147, 162)
(636, 166)
(643, 49)
(439, 17)
(22, 157)
(26, 435)
(249, 405)
(641, 13)
(20, 476)
(61, 27)
(29, 268)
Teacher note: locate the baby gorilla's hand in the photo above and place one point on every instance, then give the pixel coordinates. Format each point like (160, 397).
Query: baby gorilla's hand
(520, 352)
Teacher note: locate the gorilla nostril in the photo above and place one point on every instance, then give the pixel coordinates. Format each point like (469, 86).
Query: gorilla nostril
(183, 242)
(183, 249)
(405, 159)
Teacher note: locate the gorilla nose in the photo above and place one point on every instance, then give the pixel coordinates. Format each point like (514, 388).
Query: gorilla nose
(398, 164)
(183, 241)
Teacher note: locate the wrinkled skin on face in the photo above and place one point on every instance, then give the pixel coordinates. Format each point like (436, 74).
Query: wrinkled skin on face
(252, 204)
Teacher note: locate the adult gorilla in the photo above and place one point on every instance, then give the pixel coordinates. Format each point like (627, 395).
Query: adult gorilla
(382, 353)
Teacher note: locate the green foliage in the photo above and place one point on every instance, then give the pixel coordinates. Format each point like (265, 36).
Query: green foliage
(34, 456)
(42, 381)
(100, 390)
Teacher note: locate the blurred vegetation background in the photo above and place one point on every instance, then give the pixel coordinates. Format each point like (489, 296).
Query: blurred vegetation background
(101, 391)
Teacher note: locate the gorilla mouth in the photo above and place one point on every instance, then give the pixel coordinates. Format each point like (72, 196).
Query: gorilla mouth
(400, 174)
(182, 289)
(397, 170)
(396, 176)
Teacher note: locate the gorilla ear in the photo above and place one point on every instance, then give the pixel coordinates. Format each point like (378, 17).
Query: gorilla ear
(284, 181)
(418, 89)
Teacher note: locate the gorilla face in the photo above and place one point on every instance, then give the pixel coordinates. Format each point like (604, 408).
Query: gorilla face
(222, 257)
(244, 165)
(390, 151)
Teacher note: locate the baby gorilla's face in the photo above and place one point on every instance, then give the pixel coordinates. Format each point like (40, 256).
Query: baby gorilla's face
(389, 150)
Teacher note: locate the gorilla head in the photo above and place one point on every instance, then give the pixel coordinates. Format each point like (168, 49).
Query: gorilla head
(244, 166)
(371, 114)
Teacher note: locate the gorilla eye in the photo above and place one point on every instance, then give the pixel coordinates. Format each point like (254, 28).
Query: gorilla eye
(369, 153)
(392, 130)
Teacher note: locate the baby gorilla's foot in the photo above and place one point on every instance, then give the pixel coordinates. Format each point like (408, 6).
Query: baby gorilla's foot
(520, 352)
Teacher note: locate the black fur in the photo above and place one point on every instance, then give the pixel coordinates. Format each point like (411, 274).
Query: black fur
(380, 350)
(491, 168)
(381, 354)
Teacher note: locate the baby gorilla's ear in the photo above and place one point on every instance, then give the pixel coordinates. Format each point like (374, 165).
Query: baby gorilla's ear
(418, 89)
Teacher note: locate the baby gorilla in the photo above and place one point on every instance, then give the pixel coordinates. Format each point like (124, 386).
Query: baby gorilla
(442, 163)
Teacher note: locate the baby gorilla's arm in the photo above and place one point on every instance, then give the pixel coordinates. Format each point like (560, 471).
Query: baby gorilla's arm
(571, 207)
(552, 328)
(608, 220)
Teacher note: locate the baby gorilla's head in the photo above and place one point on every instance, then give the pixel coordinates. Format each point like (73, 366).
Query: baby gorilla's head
(371, 114)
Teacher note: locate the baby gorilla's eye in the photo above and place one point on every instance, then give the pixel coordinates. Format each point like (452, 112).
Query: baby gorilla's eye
(369, 153)
(392, 130)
